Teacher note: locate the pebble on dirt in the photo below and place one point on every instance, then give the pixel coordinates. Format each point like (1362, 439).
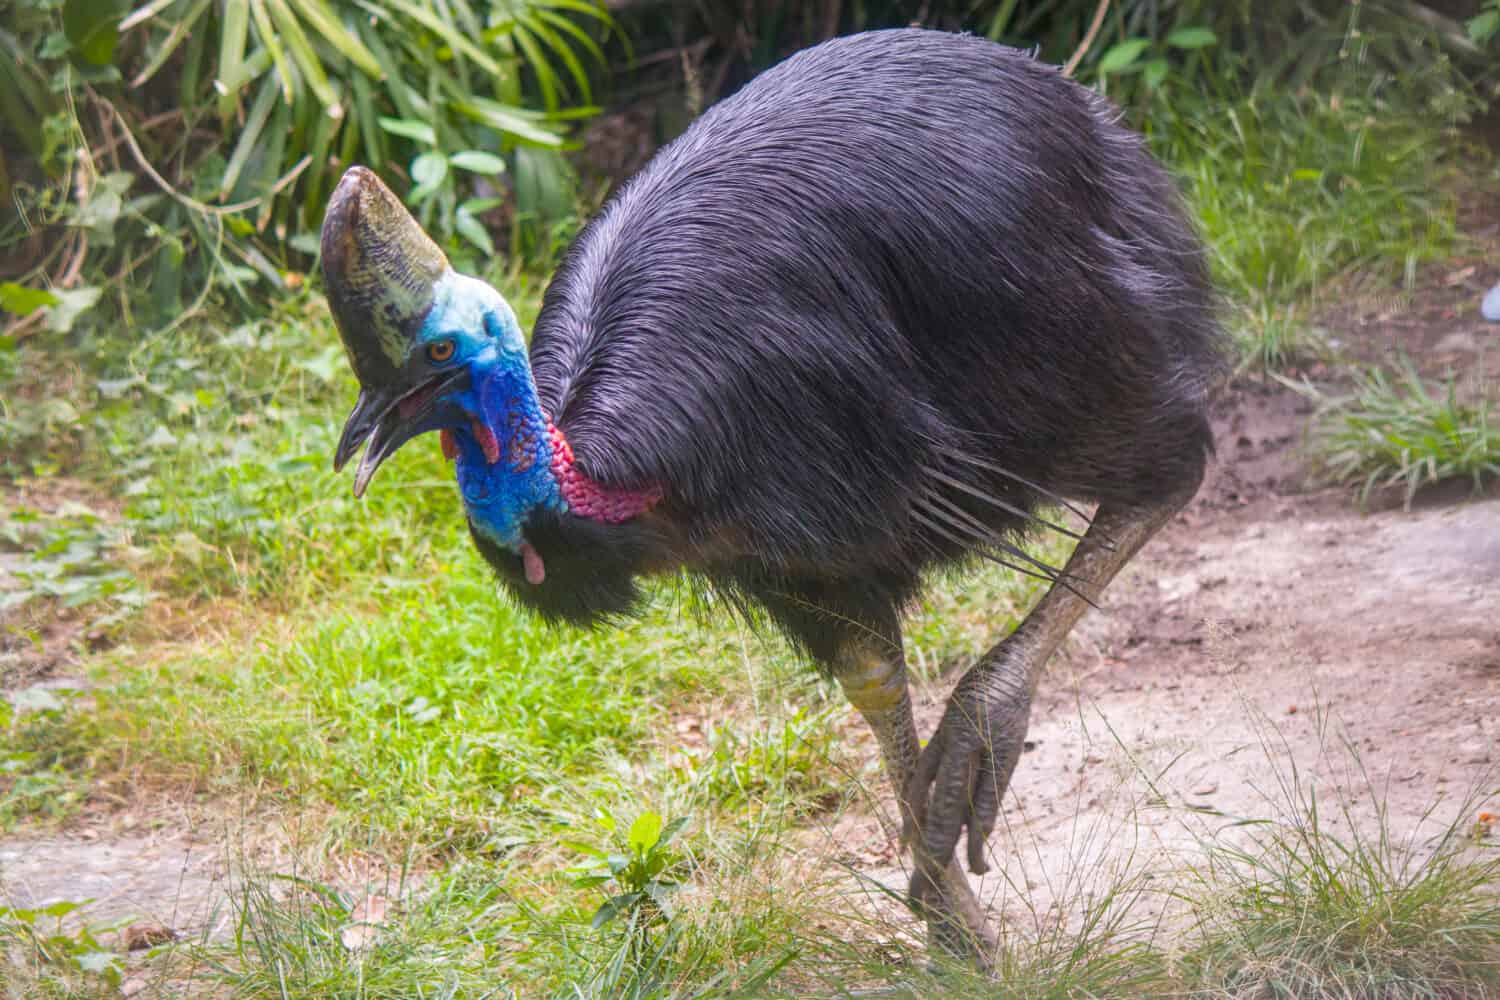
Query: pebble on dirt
(1490, 307)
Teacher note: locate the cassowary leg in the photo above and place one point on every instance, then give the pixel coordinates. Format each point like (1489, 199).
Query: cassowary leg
(872, 670)
(965, 768)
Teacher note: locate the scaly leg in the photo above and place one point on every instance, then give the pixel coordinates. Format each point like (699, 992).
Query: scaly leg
(872, 671)
(974, 751)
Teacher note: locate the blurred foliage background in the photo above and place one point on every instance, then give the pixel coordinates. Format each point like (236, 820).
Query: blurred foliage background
(162, 156)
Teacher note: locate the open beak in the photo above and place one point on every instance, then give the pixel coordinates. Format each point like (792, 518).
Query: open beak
(379, 272)
(388, 420)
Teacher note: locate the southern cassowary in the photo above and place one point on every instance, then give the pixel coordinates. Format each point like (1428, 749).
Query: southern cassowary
(862, 320)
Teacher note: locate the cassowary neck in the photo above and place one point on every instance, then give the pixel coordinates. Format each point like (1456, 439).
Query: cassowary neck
(512, 461)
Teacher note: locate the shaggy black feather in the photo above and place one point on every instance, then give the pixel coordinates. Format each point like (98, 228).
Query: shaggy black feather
(861, 319)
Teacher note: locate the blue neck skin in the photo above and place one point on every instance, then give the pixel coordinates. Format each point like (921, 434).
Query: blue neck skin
(501, 396)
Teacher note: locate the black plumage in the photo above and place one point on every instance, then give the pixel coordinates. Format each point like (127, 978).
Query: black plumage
(864, 317)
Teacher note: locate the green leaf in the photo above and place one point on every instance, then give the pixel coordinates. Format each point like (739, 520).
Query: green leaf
(23, 301)
(324, 366)
(508, 119)
(644, 832)
(325, 23)
(1155, 72)
(1192, 38)
(473, 230)
(161, 438)
(63, 907)
(477, 162)
(416, 131)
(449, 34)
(611, 908)
(1484, 27)
(429, 171)
(71, 304)
(105, 963)
(672, 830)
(477, 206)
(93, 28)
(1122, 55)
(234, 30)
(304, 56)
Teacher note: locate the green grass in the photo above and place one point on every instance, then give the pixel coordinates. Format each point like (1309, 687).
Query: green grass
(1325, 899)
(1391, 431)
(1295, 193)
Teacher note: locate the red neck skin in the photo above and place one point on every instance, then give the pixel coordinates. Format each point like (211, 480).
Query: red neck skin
(584, 497)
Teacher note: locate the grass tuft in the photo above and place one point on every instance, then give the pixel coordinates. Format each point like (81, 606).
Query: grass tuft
(1390, 430)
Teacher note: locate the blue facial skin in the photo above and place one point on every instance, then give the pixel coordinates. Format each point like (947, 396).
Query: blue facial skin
(502, 396)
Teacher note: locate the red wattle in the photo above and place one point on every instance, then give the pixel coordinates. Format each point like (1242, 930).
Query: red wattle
(449, 444)
(587, 498)
(486, 439)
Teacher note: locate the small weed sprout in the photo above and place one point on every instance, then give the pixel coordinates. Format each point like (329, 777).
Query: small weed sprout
(645, 873)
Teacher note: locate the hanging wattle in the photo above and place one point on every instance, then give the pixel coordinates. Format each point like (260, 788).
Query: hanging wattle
(584, 497)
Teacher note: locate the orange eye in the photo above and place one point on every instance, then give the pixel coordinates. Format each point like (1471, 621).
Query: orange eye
(440, 351)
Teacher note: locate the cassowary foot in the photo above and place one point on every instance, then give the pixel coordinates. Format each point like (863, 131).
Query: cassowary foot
(962, 773)
(964, 770)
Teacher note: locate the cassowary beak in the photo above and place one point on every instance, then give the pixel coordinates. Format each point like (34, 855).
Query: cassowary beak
(379, 269)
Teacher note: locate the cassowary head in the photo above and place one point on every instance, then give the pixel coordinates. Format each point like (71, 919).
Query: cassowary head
(438, 351)
(434, 350)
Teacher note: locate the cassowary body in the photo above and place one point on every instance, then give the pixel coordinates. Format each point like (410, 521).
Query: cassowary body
(861, 320)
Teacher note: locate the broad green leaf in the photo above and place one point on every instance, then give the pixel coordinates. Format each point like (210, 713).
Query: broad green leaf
(1191, 38)
(99, 962)
(416, 131)
(428, 170)
(1484, 27)
(478, 162)
(105, 201)
(1122, 55)
(644, 832)
(161, 438)
(324, 366)
(93, 28)
(611, 908)
(23, 301)
(1155, 72)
